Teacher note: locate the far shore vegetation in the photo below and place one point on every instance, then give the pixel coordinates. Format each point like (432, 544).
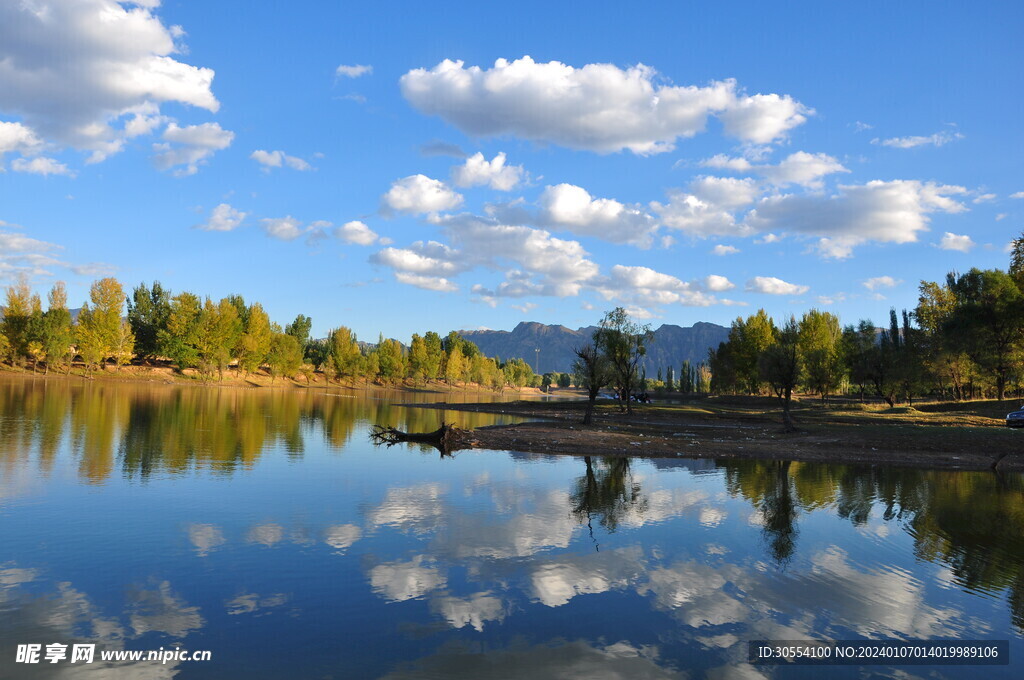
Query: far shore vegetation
(963, 341)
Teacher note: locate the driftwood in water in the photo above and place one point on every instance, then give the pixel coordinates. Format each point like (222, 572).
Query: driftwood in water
(444, 438)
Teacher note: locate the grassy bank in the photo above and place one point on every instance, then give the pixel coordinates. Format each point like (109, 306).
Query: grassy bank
(967, 435)
(232, 378)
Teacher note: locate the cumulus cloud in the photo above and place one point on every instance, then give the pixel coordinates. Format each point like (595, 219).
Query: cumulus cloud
(542, 264)
(569, 207)
(91, 74)
(190, 146)
(724, 250)
(436, 283)
(40, 165)
(19, 138)
(644, 287)
(880, 282)
(800, 168)
(984, 198)
(706, 209)
(277, 159)
(353, 71)
(284, 228)
(886, 212)
(478, 171)
(938, 139)
(418, 194)
(598, 107)
(773, 286)
(357, 233)
(223, 218)
(1018, 194)
(961, 242)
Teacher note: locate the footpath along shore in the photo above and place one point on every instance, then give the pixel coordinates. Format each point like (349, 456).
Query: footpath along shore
(751, 428)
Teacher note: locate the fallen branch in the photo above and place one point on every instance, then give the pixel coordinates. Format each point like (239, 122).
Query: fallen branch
(445, 438)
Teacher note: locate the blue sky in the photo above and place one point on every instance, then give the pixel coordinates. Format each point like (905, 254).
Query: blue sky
(690, 163)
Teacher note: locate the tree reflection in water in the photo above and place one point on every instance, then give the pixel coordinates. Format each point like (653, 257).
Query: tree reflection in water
(609, 492)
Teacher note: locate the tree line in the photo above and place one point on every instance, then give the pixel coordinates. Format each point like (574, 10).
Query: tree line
(963, 340)
(210, 338)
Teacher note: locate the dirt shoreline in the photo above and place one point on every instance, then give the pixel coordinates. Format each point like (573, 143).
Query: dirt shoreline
(670, 433)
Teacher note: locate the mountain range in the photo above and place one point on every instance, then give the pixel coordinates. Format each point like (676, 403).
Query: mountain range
(672, 345)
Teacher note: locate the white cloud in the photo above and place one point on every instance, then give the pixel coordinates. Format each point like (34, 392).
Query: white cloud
(938, 139)
(768, 238)
(763, 118)
(419, 194)
(598, 107)
(570, 207)
(961, 242)
(1001, 216)
(90, 74)
(984, 198)
(773, 286)
(716, 283)
(707, 208)
(223, 218)
(644, 287)
(861, 127)
(195, 144)
(544, 265)
(40, 165)
(353, 71)
(437, 283)
(430, 259)
(478, 171)
(17, 137)
(878, 282)
(357, 233)
(284, 228)
(800, 168)
(831, 299)
(724, 250)
(886, 212)
(1018, 194)
(275, 159)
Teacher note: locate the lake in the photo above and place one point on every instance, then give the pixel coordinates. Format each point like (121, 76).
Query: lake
(264, 527)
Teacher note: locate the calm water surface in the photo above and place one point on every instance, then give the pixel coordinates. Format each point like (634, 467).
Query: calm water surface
(263, 526)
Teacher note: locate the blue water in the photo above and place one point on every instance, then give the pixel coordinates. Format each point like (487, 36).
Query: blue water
(267, 529)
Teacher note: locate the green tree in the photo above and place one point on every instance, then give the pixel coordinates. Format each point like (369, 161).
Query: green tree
(988, 321)
(748, 339)
(345, 354)
(594, 373)
(57, 336)
(624, 344)
(284, 356)
(435, 355)
(820, 349)
(148, 312)
(390, 360)
(1017, 261)
(254, 345)
(418, 359)
(455, 366)
(780, 367)
(299, 329)
(180, 340)
(16, 325)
